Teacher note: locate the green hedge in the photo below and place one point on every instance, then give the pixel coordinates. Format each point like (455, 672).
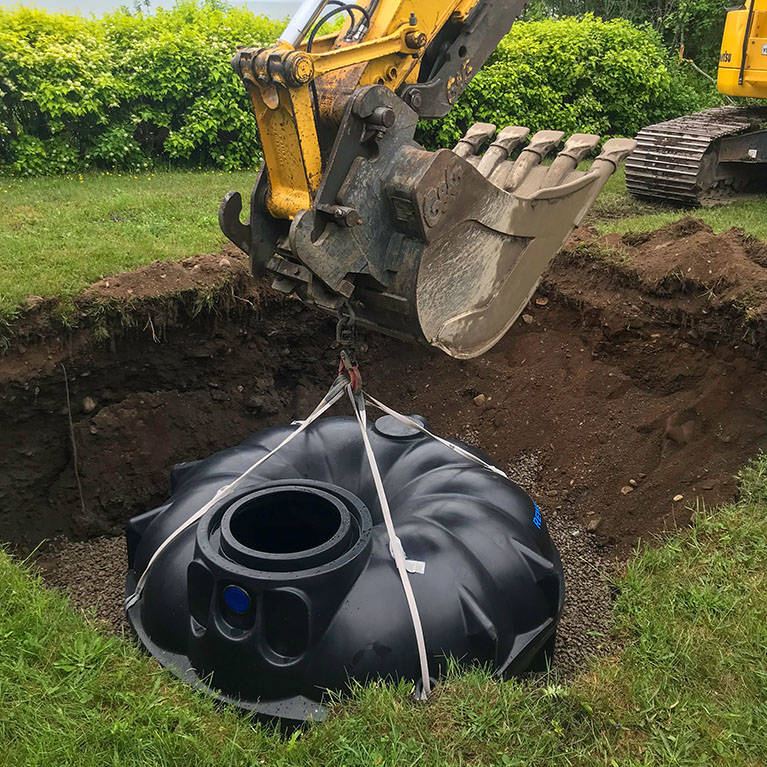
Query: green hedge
(696, 24)
(587, 75)
(131, 90)
(126, 90)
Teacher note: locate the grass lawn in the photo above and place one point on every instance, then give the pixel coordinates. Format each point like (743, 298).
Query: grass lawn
(59, 234)
(616, 211)
(689, 689)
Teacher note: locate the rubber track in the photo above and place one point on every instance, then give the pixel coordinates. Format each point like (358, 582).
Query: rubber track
(667, 161)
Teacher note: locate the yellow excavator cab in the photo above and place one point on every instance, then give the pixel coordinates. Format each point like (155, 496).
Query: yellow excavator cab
(743, 60)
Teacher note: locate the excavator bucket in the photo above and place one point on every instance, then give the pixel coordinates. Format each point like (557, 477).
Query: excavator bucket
(444, 248)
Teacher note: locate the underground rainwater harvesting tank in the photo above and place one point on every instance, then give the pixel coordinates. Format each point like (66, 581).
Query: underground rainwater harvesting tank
(287, 588)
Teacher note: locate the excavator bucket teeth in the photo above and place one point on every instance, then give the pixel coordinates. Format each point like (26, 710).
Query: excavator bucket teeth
(474, 139)
(476, 281)
(446, 247)
(506, 142)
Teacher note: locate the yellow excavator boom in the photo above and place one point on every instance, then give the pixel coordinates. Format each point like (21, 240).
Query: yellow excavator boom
(283, 79)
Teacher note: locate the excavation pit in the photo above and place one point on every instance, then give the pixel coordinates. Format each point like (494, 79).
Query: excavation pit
(623, 388)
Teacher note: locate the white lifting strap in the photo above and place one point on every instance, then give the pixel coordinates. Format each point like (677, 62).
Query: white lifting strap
(395, 544)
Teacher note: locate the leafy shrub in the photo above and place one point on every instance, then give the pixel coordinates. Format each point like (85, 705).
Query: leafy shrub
(570, 74)
(130, 90)
(696, 24)
(126, 90)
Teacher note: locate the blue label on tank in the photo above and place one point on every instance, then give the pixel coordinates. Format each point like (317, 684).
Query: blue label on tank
(537, 518)
(236, 599)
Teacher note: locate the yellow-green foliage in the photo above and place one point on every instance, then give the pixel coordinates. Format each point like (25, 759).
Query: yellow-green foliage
(129, 90)
(696, 24)
(126, 90)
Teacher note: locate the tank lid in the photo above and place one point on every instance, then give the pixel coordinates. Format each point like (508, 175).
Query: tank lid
(389, 426)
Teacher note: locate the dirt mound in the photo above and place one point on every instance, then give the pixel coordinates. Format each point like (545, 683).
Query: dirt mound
(711, 286)
(48, 331)
(686, 257)
(164, 278)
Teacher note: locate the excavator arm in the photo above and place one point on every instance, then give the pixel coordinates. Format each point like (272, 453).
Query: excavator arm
(352, 215)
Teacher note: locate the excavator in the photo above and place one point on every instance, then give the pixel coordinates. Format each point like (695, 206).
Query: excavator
(719, 153)
(350, 214)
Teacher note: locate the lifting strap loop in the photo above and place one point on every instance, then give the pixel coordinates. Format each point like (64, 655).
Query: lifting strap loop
(404, 566)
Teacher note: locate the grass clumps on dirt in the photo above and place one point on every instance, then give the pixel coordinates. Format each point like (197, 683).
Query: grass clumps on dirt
(690, 687)
(747, 214)
(59, 234)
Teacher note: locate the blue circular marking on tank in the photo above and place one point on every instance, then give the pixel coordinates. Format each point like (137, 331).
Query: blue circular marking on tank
(237, 599)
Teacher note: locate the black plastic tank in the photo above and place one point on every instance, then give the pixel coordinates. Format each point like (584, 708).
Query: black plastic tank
(288, 589)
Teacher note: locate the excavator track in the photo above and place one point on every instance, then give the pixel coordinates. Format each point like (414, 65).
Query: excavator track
(700, 158)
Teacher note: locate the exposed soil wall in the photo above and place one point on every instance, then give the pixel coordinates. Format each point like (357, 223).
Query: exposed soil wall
(630, 387)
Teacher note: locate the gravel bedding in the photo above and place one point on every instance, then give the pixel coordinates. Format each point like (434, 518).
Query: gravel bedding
(91, 573)
(585, 629)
